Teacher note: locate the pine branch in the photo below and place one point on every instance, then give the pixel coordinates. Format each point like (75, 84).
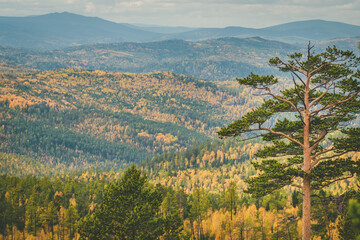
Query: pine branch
(298, 94)
(242, 140)
(284, 100)
(323, 152)
(336, 180)
(335, 104)
(319, 68)
(316, 162)
(319, 138)
(297, 75)
(322, 95)
(282, 134)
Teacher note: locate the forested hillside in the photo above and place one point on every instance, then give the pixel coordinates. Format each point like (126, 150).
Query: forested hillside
(215, 59)
(80, 128)
(75, 118)
(218, 59)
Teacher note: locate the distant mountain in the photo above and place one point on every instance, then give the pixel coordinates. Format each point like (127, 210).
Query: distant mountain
(351, 44)
(294, 32)
(311, 30)
(215, 59)
(60, 30)
(213, 33)
(162, 29)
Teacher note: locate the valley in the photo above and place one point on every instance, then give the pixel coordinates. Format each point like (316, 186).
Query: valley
(122, 131)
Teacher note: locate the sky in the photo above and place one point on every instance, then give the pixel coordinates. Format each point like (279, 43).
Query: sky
(194, 13)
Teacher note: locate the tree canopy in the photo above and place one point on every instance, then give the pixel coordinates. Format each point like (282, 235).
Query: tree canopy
(129, 210)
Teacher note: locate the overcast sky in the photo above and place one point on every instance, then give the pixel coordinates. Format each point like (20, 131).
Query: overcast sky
(194, 13)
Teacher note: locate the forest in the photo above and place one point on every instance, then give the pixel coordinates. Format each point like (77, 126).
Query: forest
(90, 154)
(81, 118)
(58, 208)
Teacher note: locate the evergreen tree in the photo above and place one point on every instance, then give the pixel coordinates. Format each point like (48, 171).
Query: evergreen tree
(354, 214)
(198, 211)
(349, 225)
(49, 217)
(171, 214)
(323, 100)
(230, 201)
(32, 214)
(71, 216)
(129, 210)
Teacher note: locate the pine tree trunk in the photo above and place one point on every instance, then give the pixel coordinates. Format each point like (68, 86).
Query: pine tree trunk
(306, 210)
(306, 231)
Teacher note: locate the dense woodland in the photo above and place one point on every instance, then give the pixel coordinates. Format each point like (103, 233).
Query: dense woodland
(61, 208)
(75, 118)
(68, 137)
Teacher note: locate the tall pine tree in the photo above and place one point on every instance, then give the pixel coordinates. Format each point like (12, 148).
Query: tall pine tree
(324, 99)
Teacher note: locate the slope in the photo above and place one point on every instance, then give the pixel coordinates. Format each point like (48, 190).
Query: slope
(60, 30)
(293, 32)
(77, 119)
(217, 59)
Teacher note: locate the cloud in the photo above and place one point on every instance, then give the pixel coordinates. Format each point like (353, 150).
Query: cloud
(196, 13)
(90, 7)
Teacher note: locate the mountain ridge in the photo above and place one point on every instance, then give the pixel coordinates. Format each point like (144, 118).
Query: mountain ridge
(215, 59)
(60, 30)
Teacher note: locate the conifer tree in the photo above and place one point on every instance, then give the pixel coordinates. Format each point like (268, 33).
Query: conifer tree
(354, 214)
(324, 99)
(198, 211)
(230, 201)
(129, 210)
(171, 215)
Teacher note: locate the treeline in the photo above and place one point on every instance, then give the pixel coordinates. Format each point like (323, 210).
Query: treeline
(127, 205)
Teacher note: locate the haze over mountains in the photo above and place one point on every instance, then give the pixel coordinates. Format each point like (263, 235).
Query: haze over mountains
(61, 30)
(214, 59)
(49, 74)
